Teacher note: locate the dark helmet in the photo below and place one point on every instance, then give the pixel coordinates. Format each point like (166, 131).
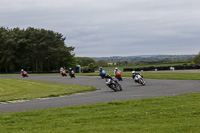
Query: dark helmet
(107, 76)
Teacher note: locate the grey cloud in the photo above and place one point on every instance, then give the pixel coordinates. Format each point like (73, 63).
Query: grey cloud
(120, 27)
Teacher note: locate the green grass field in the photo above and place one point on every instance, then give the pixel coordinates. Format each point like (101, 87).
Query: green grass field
(111, 68)
(147, 75)
(172, 114)
(168, 75)
(175, 114)
(156, 75)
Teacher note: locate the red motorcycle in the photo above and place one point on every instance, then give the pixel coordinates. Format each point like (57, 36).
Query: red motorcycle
(63, 73)
(118, 76)
(24, 74)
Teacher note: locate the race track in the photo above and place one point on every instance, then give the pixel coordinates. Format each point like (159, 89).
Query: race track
(131, 90)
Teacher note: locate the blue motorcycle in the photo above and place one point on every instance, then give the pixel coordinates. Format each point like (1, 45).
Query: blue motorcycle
(102, 74)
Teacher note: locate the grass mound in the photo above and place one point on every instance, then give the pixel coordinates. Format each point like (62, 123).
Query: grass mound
(21, 89)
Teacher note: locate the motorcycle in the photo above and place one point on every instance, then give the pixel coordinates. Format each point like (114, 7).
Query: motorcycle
(63, 73)
(118, 76)
(113, 84)
(24, 74)
(72, 74)
(140, 79)
(102, 74)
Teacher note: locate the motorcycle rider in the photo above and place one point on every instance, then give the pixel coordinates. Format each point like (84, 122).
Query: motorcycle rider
(22, 71)
(70, 70)
(61, 69)
(100, 69)
(136, 76)
(116, 71)
(71, 73)
(102, 73)
(113, 84)
(108, 78)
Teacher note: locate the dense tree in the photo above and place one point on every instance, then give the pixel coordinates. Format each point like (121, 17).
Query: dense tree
(196, 59)
(92, 66)
(101, 63)
(34, 50)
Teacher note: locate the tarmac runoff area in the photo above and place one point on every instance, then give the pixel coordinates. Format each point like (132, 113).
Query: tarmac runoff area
(131, 90)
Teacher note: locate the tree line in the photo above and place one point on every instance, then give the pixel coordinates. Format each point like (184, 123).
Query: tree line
(87, 62)
(32, 49)
(41, 50)
(196, 59)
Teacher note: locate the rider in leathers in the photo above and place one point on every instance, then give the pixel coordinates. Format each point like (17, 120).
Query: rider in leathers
(116, 71)
(136, 76)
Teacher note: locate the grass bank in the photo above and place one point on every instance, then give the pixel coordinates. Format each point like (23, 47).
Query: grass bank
(156, 75)
(21, 89)
(147, 75)
(167, 75)
(154, 115)
(111, 68)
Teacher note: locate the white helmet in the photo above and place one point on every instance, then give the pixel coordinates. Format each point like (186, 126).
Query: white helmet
(133, 71)
(116, 68)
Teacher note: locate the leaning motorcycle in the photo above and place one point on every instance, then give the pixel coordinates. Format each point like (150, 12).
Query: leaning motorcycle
(102, 74)
(72, 74)
(140, 79)
(63, 73)
(113, 84)
(118, 76)
(24, 74)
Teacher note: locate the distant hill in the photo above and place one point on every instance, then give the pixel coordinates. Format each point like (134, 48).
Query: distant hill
(146, 58)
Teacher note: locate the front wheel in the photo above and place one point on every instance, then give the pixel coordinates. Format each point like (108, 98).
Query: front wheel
(118, 87)
(142, 82)
(113, 87)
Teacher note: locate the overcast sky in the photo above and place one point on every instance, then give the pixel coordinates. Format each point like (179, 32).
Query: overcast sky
(99, 28)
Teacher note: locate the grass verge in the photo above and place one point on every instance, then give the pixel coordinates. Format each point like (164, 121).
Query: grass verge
(21, 89)
(167, 75)
(157, 75)
(147, 75)
(153, 115)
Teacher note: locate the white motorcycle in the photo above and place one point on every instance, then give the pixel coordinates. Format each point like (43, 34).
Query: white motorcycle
(138, 78)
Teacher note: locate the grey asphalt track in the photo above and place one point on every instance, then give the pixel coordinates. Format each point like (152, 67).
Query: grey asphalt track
(131, 90)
